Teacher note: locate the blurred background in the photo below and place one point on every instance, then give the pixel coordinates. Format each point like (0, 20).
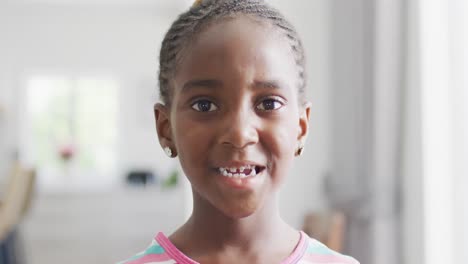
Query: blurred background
(384, 176)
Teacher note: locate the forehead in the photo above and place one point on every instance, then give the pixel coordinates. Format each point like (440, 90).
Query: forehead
(240, 47)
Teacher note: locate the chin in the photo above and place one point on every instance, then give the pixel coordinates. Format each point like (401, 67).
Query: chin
(239, 212)
(239, 215)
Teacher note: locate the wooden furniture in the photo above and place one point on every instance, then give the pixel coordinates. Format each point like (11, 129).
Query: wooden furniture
(327, 227)
(14, 205)
(17, 199)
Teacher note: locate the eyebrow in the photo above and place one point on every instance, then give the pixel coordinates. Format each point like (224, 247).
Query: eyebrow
(212, 83)
(267, 84)
(208, 83)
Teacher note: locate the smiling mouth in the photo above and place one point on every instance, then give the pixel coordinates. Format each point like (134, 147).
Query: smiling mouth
(241, 172)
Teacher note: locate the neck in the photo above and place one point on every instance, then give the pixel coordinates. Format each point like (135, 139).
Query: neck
(215, 230)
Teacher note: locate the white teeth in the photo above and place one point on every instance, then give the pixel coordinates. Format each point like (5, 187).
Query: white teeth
(232, 171)
(253, 172)
(224, 172)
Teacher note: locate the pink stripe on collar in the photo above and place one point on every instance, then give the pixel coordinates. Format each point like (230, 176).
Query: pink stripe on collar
(172, 251)
(181, 258)
(299, 251)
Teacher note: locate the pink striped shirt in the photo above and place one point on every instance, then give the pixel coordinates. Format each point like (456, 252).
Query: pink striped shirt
(307, 251)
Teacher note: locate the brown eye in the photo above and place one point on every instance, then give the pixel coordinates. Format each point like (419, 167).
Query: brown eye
(204, 106)
(269, 105)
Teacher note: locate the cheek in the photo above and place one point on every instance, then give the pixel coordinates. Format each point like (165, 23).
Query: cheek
(284, 142)
(284, 133)
(192, 141)
(280, 141)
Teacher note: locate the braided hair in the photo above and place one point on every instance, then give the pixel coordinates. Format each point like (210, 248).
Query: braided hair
(201, 14)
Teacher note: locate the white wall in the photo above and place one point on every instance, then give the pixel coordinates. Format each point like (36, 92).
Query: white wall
(460, 68)
(412, 171)
(7, 95)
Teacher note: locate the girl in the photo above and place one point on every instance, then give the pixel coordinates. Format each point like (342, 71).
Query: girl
(233, 110)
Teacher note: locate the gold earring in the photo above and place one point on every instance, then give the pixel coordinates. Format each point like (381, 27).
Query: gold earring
(300, 150)
(168, 151)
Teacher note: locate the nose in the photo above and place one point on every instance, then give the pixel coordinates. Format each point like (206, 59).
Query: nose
(239, 129)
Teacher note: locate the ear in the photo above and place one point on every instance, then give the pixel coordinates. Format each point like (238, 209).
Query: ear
(163, 126)
(304, 122)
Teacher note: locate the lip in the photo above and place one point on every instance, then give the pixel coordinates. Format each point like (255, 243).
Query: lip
(238, 164)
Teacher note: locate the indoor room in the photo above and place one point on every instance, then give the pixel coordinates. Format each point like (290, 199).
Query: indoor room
(382, 178)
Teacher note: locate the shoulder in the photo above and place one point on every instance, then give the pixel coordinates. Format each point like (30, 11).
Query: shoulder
(154, 254)
(317, 252)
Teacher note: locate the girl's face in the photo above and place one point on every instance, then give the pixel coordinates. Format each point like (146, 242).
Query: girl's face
(234, 120)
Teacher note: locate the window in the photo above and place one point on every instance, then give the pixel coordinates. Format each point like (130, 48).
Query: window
(71, 128)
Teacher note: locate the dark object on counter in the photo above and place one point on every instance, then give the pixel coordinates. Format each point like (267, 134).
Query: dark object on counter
(140, 178)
